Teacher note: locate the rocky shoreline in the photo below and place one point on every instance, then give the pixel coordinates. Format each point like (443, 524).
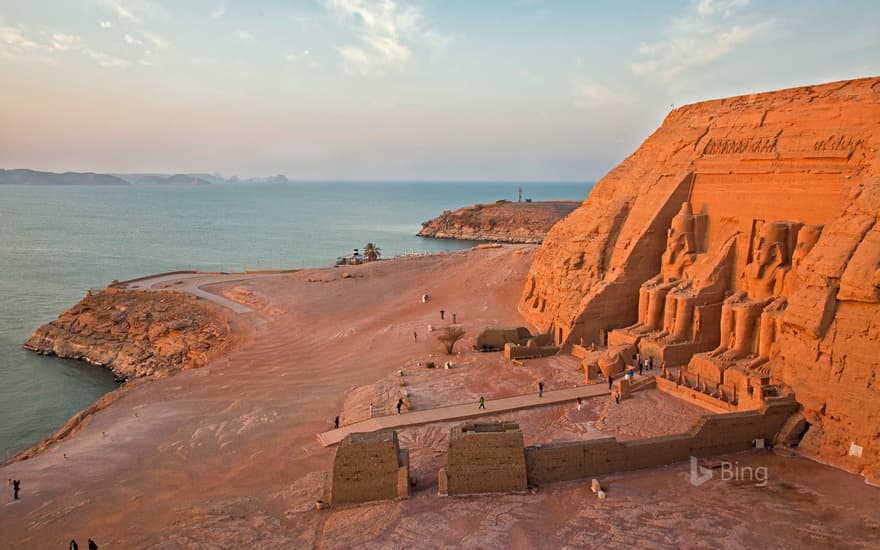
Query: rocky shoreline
(507, 222)
(136, 333)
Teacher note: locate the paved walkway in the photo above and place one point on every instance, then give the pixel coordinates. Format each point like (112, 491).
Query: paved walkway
(466, 410)
(192, 283)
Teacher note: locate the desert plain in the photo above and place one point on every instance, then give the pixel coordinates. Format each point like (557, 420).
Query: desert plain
(227, 455)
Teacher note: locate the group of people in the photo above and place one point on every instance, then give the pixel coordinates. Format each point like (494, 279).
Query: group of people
(644, 364)
(75, 546)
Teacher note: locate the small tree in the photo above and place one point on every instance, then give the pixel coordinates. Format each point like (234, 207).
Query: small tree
(372, 252)
(449, 337)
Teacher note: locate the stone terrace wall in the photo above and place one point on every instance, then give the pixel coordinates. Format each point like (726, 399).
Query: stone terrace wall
(484, 458)
(370, 466)
(711, 435)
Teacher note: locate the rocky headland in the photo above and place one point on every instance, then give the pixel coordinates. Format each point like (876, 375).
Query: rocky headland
(136, 333)
(503, 221)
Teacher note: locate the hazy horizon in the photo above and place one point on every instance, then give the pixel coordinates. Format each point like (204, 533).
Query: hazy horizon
(391, 90)
(254, 178)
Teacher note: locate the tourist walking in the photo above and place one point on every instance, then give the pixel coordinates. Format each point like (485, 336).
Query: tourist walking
(640, 369)
(580, 403)
(73, 545)
(92, 545)
(399, 405)
(610, 382)
(371, 410)
(16, 487)
(336, 423)
(617, 397)
(442, 314)
(482, 402)
(454, 317)
(540, 389)
(415, 336)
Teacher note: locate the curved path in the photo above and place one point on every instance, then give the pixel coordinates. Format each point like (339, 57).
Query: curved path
(466, 410)
(194, 283)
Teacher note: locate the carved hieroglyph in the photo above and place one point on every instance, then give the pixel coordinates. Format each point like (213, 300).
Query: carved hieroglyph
(787, 185)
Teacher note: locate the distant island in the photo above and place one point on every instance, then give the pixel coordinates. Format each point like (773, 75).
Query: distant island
(36, 177)
(33, 177)
(503, 221)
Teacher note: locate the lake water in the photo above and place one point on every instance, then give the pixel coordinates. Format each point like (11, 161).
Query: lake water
(57, 242)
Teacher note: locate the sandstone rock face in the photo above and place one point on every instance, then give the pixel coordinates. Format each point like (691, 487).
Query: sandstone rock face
(135, 333)
(783, 193)
(508, 222)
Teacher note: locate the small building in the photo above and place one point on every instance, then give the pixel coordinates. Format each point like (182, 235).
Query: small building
(370, 466)
(484, 458)
(494, 338)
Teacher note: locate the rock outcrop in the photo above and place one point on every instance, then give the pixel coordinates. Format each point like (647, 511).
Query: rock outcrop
(743, 235)
(508, 222)
(136, 333)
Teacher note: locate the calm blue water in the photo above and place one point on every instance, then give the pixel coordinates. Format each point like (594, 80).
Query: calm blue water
(57, 242)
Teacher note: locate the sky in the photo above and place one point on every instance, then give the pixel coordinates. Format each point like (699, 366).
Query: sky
(514, 90)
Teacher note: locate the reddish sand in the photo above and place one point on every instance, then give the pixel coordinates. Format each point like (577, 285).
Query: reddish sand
(226, 456)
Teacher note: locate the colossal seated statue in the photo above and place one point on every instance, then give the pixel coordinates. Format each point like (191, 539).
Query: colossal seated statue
(681, 323)
(686, 293)
(764, 278)
(771, 316)
(679, 254)
(751, 318)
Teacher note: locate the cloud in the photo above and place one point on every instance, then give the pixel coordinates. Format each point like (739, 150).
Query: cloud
(106, 24)
(106, 60)
(218, 13)
(590, 96)
(129, 39)
(707, 30)
(157, 40)
(64, 42)
(244, 36)
(16, 43)
(385, 32)
(304, 58)
(135, 11)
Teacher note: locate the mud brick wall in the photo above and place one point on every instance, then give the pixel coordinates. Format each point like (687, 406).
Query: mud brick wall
(370, 466)
(484, 458)
(711, 435)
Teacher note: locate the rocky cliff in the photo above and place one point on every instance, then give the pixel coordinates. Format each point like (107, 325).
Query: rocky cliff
(136, 333)
(802, 157)
(508, 222)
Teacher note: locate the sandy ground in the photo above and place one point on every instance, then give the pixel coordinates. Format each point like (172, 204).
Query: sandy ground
(226, 456)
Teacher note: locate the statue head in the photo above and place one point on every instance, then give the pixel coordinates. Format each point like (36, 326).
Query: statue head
(680, 242)
(769, 246)
(806, 239)
(769, 255)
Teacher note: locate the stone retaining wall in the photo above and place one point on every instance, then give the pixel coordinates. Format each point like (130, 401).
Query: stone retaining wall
(711, 435)
(484, 458)
(370, 466)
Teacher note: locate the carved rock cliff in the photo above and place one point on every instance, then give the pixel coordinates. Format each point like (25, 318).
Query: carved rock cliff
(800, 161)
(136, 333)
(508, 222)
